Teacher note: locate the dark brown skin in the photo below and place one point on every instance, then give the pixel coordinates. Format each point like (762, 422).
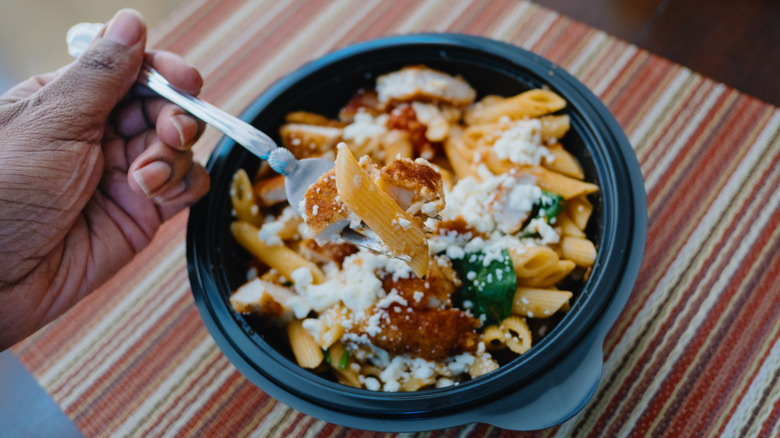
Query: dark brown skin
(88, 173)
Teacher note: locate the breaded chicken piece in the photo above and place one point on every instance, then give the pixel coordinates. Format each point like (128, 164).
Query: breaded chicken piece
(325, 214)
(262, 298)
(415, 185)
(432, 334)
(423, 84)
(310, 140)
(435, 291)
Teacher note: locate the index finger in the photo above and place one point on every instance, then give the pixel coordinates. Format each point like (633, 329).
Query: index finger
(176, 70)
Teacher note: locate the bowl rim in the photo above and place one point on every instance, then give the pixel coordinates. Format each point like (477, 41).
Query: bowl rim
(604, 130)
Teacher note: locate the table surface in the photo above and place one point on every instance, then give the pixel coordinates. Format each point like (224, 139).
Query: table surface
(696, 350)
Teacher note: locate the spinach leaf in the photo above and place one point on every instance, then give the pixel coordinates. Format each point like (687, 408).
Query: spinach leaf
(550, 205)
(489, 287)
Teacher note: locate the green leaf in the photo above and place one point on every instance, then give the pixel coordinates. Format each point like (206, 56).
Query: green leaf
(489, 287)
(550, 205)
(344, 360)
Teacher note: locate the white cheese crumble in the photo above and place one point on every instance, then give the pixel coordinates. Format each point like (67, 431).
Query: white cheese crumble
(365, 127)
(547, 233)
(408, 82)
(522, 143)
(269, 231)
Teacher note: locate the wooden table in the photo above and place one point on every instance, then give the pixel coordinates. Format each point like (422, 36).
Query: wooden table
(697, 349)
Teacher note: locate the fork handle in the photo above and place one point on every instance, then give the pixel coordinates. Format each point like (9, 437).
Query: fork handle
(240, 131)
(80, 35)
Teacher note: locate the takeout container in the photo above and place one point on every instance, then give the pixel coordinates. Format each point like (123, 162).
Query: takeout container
(541, 388)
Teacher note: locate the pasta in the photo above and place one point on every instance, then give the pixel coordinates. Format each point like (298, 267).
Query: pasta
(380, 212)
(482, 209)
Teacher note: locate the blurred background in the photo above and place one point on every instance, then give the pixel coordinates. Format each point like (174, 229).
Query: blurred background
(32, 32)
(736, 42)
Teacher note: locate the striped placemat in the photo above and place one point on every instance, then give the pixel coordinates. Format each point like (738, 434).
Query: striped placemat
(696, 351)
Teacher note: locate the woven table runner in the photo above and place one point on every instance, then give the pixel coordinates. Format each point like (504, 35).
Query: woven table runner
(696, 350)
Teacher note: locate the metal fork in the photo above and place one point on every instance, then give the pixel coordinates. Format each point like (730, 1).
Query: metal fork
(299, 174)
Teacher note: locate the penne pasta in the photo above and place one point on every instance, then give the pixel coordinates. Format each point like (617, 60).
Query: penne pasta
(567, 225)
(280, 257)
(341, 364)
(532, 103)
(242, 197)
(558, 183)
(563, 162)
(380, 212)
(580, 210)
(579, 250)
(551, 277)
(460, 156)
(539, 303)
(554, 127)
(307, 352)
(536, 261)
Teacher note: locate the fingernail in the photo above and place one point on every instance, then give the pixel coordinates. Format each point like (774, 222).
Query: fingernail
(126, 27)
(181, 122)
(152, 176)
(171, 193)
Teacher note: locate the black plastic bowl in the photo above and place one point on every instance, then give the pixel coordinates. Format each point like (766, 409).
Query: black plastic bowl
(541, 388)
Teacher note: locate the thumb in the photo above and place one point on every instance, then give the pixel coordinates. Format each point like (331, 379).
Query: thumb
(94, 84)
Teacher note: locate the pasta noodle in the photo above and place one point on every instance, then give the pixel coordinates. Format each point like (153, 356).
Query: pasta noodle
(306, 350)
(483, 211)
(279, 257)
(532, 103)
(380, 212)
(539, 303)
(579, 250)
(242, 197)
(580, 210)
(519, 335)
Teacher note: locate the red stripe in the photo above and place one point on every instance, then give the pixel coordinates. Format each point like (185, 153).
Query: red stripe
(483, 16)
(111, 345)
(260, 49)
(377, 23)
(570, 35)
(631, 381)
(682, 210)
(192, 31)
(646, 361)
(730, 351)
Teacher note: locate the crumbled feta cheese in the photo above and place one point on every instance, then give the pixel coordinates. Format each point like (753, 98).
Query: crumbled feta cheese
(460, 363)
(365, 127)
(522, 143)
(302, 277)
(372, 384)
(548, 233)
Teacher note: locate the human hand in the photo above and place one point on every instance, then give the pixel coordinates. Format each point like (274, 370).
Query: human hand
(89, 170)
